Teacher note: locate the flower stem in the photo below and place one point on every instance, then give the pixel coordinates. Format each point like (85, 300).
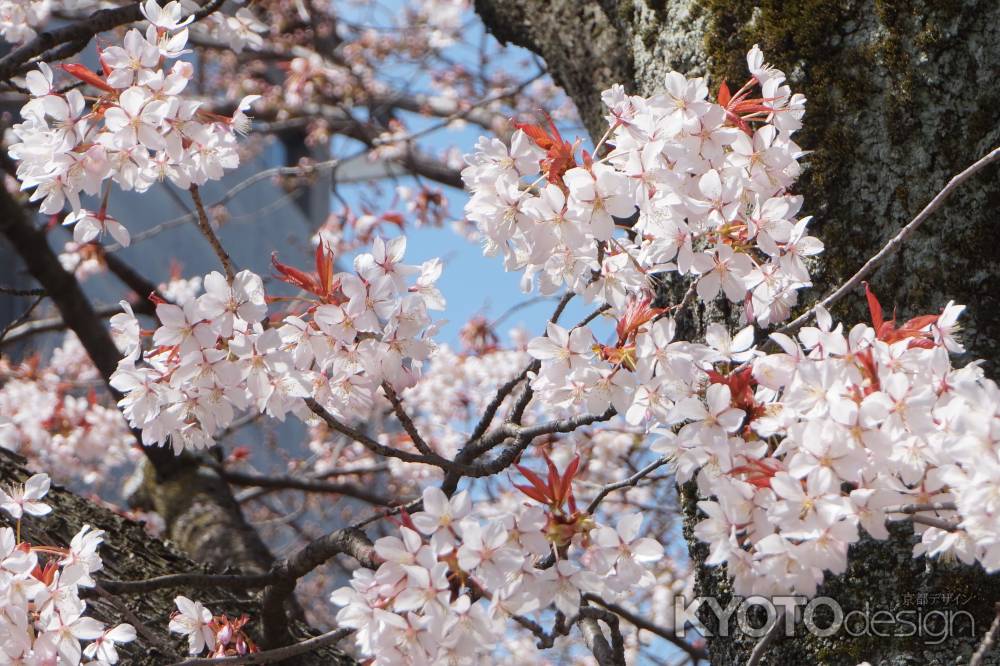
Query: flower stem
(209, 234)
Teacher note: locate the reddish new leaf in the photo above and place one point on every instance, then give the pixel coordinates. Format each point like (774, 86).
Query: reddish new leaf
(82, 73)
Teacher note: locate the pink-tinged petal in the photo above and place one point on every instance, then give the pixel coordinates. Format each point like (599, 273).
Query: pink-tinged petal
(711, 185)
(435, 501)
(37, 486)
(708, 286)
(118, 232)
(718, 397)
(691, 409)
(731, 419)
(786, 487)
(629, 526)
(647, 550)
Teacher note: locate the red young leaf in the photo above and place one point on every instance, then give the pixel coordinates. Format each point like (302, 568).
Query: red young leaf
(724, 95)
(532, 493)
(555, 481)
(566, 490)
(874, 307)
(87, 76)
(535, 480)
(294, 276)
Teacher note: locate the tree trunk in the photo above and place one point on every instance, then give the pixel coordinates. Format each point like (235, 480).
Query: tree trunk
(901, 97)
(197, 506)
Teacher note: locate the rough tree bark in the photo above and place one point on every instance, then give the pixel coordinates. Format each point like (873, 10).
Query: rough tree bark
(130, 554)
(901, 97)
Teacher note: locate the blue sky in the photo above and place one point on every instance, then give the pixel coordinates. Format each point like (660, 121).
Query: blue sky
(471, 283)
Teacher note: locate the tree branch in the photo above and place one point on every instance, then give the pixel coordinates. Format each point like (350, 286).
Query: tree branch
(371, 444)
(307, 485)
(349, 541)
(225, 581)
(276, 655)
(988, 641)
(406, 421)
(79, 33)
(640, 622)
(630, 482)
(206, 230)
(896, 241)
(612, 654)
(772, 634)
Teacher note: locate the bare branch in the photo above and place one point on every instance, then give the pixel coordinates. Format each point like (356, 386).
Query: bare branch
(274, 656)
(612, 654)
(406, 421)
(287, 572)
(897, 241)
(206, 230)
(931, 521)
(630, 482)
(14, 291)
(226, 581)
(22, 318)
(371, 444)
(761, 647)
(916, 508)
(307, 485)
(131, 278)
(640, 622)
(49, 324)
(988, 641)
(78, 34)
(915, 513)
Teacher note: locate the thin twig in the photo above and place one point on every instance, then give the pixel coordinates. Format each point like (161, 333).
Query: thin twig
(371, 444)
(606, 654)
(931, 521)
(349, 541)
(988, 641)
(630, 482)
(206, 230)
(14, 291)
(224, 581)
(769, 637)
(916, 508)
(23, 318)
(273, 656)
(896, 241)
(696, 653)
(307, 485)
(257, 492)
(406, 421)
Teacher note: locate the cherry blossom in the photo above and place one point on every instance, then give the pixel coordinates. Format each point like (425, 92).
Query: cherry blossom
(195, 622)
(19, 500)
(42, 617)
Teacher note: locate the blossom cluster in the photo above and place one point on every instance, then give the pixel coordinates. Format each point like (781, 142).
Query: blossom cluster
(794, 450)
(217, 354)
(138, 131)
(449, 583)
(54, 414)
(841, 430)
(41, 613)
(220, 635)
(18, 18)
(688, 189)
